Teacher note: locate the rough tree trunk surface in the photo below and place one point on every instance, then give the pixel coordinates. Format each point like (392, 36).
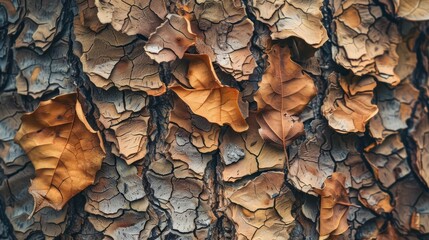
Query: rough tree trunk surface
(217, 119)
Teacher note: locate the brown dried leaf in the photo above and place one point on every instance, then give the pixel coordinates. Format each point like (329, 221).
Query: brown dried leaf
(348, 104)
(64, 149)
(132, 17)
(170, 40)
(334, 206)
(283, 94)
(289, 18)
(284, 86)
(208, 97)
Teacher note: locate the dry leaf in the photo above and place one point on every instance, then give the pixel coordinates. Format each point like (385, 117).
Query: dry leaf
(334, 206)
(284, 92)
(208, 97)
(170, 40)
(64, 149)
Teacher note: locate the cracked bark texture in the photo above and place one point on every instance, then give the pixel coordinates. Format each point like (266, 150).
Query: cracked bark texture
(334, 94)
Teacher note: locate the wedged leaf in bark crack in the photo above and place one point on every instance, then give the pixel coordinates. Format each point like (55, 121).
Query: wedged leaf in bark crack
(124, 118)
(389, 160)
(208, 97)
(334, 206)
(283, 93)
(290, 18)
(261, 208)
(348, 105)
(420, 135)
(111, 58)
(19, 207)
(170, 40)
(224, 33)
(246, 153)
(132, 17)
(365, 40)
(64, 149)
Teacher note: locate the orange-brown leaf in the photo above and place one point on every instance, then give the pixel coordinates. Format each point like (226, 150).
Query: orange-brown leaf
(334, 206)
(208, 97)
(65, 151)
(283, 93)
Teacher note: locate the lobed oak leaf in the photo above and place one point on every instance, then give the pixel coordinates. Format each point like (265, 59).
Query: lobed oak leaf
(64, 149)
(283, 93)
(208, 97)
(334, 206)
(170, 40)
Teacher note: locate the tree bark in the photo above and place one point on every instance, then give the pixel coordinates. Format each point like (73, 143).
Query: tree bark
(172, 174)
